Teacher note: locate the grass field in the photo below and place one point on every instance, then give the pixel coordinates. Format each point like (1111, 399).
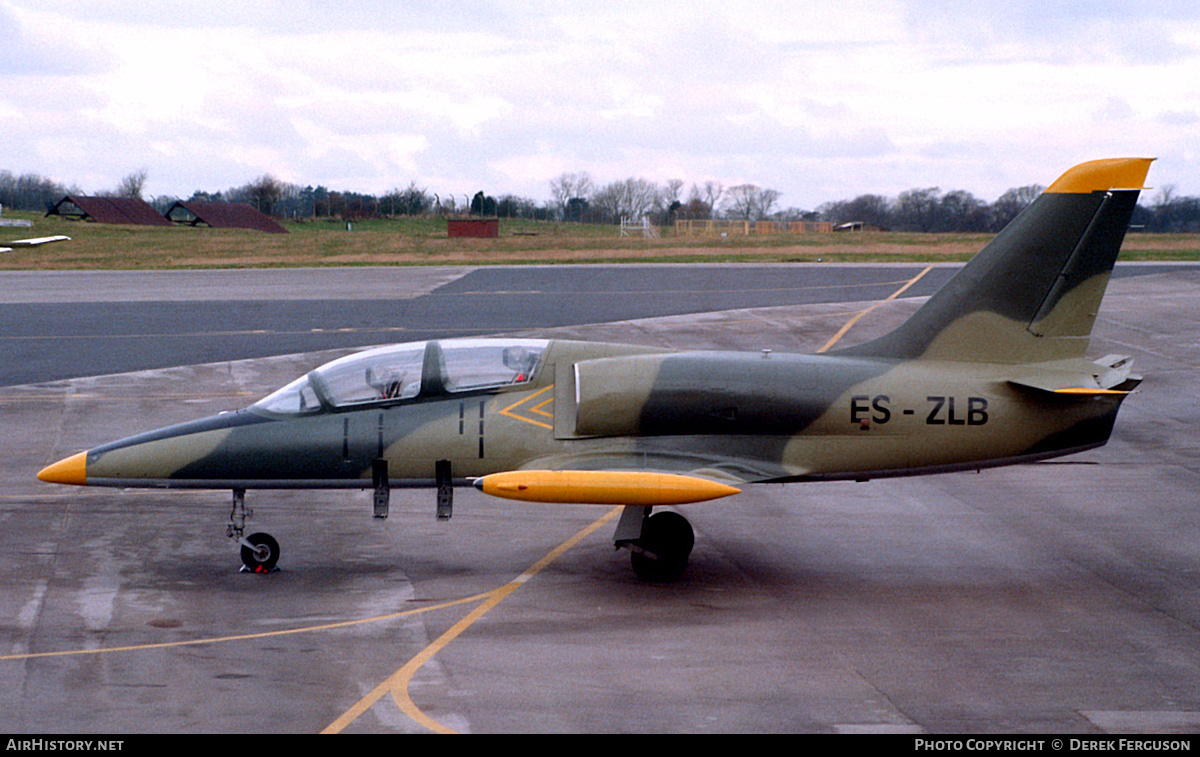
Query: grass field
(423, 241)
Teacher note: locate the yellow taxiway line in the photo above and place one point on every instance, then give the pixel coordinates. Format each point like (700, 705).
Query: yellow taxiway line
(248, 636)
(397, 683)
(842, 331)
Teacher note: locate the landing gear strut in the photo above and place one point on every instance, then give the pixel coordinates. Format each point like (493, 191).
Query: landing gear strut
(260, 551)
(659, 544)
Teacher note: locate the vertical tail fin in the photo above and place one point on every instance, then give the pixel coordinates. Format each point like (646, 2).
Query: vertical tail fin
(1032, 293)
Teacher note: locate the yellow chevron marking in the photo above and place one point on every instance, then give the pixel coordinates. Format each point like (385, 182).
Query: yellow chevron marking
(508, 411)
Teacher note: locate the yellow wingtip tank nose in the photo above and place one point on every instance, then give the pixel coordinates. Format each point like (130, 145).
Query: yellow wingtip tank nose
(72, 470)
(602, 487)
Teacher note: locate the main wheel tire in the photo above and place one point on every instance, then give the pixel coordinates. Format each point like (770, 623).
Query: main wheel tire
(668, 538)
(262, 557)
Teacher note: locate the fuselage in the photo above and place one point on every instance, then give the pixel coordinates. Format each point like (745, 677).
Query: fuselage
(488, 406)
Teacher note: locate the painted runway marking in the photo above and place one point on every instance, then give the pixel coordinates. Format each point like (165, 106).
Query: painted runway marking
(842, 331)
(249, 636)
(397, 683)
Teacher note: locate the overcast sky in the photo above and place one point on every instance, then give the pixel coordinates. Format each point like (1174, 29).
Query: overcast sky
(822, 100)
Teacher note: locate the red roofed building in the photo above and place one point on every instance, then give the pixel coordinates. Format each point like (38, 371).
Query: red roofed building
(223, 215)
(108, 210)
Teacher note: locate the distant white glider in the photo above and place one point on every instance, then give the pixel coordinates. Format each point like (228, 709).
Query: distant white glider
(33, 242)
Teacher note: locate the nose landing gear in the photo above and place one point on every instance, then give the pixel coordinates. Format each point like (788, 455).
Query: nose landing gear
(260, 551)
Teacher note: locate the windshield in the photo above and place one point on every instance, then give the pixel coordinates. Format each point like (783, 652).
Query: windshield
(399, 372)
(386, 373)
(296, 397)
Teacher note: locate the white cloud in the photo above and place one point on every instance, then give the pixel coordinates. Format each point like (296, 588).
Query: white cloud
(816, 100)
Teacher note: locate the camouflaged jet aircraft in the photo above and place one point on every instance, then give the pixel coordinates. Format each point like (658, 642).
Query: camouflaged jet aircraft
(990, 371)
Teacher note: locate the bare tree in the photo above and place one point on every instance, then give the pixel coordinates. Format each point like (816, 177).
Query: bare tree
(31, 191)
(413, 201)
(739, 201)
(1165, 196)
(265, 192)
(670, 192)
(960, 210)
(631, 198)
(571, 186)
(1011, 203)
(133, 185)
(750, 202)
(766, 202)
(607, 202)
(696, 207)
(1173, 214)
(916, 209)
(712, 193)
(873, 210)
(513, 206)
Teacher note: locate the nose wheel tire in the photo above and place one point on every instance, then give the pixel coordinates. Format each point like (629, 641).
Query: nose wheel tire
(260, 552)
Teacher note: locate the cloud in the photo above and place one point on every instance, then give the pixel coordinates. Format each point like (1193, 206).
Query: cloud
(815, 100)
(1058, 33)
(28, 54)
(1178, 118)
(1114, 109)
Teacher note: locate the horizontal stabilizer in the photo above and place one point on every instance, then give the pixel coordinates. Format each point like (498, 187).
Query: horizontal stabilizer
(1070, 391)
(602, 487)
(1109, 376)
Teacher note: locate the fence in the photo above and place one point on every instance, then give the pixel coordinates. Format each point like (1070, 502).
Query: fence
(692, 228)
(641, 226)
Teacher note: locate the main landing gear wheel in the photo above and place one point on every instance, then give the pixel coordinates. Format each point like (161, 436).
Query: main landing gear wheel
(661, 554)
(262, 555)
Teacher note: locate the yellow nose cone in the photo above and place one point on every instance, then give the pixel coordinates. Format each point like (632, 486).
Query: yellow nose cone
(72, 470)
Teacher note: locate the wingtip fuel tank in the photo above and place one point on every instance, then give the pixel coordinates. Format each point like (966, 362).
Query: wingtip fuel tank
(603, 487)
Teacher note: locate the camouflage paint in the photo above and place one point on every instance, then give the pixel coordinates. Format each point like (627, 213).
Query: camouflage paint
(990, 371)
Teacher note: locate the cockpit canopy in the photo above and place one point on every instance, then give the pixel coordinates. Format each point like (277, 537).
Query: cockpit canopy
(387, 375)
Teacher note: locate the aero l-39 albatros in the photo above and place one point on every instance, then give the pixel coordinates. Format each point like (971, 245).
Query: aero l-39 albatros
(990, 371)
